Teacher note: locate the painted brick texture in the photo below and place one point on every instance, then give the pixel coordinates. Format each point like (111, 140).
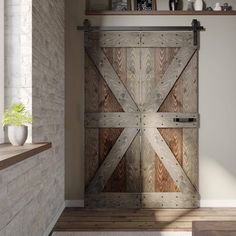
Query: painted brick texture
(32, 192)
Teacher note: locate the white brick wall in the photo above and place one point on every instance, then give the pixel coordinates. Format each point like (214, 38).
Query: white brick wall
(18, 53)
(32, 192)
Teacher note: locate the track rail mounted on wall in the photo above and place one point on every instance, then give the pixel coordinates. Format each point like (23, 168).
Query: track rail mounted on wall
(195, 28)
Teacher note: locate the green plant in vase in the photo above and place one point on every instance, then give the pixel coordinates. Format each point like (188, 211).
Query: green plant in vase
(16, 118)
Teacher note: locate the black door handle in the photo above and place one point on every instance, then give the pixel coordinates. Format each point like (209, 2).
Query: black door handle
(184, 120)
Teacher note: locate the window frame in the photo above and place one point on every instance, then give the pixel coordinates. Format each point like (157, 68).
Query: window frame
(1, 68)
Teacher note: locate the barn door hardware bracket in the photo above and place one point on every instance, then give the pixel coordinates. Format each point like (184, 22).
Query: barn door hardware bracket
(195, 27)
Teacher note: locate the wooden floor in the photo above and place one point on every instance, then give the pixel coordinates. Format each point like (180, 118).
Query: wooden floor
(77, 219)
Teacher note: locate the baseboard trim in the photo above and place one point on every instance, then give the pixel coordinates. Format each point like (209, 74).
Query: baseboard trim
(118, 233)
(54, 221)
(218, 203)
(74, 203)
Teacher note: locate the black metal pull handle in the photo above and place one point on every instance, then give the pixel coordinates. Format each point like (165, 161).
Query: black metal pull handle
(184, 120)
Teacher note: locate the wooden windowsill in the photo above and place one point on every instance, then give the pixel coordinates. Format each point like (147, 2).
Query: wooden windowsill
(10, 155)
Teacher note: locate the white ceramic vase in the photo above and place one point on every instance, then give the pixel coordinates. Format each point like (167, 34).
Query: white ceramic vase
(17, 134)
(198, 5)
(217, 7)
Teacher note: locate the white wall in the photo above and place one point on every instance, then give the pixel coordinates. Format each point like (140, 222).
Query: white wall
(217, 97)
(1, 66)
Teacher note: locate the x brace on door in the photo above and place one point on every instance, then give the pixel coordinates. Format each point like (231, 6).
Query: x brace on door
(133, 121)
(144, 119)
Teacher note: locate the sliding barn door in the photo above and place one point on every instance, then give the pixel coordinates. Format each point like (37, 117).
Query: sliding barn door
(141, 120)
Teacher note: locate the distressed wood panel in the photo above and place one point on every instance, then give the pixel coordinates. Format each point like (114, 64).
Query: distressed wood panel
(190, 136)
(133, 177)
(148, 172)
(148, 200)
(166, 39)
(92, 79)
(133, 74)
(169, 161)
(112, 200)
(163, 87)
(112, 120)
(113, 39)
(166, 120)
(169, 200)
(112, 79)
(108, 137)
(148, 156)
(91, 154)
(133, 157)
(132, 78)
(121, 119)
(118, 59)
(112, 160)
(173, 137)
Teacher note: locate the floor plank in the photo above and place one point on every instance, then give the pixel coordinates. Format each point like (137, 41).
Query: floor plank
(78, 219)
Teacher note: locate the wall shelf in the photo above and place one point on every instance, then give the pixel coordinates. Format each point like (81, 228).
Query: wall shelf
(168, 13)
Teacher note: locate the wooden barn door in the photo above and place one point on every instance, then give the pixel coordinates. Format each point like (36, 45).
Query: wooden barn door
(141, 120)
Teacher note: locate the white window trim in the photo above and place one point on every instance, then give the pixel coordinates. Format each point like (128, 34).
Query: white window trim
(1, 68)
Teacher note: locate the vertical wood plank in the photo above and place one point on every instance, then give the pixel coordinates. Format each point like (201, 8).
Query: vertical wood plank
(190, 136)
(133, 178)
(91, 135)
(173, 137)
(148, 155)
(133, 74)
(117, 58)
(163, 58)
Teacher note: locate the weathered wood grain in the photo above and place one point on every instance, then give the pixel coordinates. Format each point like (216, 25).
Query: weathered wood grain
(163, 87)
(214, 228)
(79, 219)
(112, 79)
(112, 160)
(190, 104)
(140, 82)
(166, 120)
(171, 135)
(133, 156)
(118, 59)
(148, 172)
(148, 82)
(169, 200)
(112, 200)
(143, 200)
(91, 154)
(112, 120)
(92, 79)
(148, 78)
(146, 120)
(169, 161)
(113, 39)
(133, 74)
(166, 39)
